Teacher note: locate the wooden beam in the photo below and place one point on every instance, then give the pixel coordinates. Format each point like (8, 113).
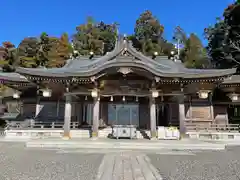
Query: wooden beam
(139, 94)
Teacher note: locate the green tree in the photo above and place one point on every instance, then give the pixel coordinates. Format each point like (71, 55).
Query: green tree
(224, 38)
(108, 34)
(193, 54)
(96, 37)
(215, 36)
(148, 35)
(59, 51)
(27, 52)
(51, 55)
(45, 51)
(32, 51)
(45, 44)
(64, 49)
(2, 55)
(8, 55)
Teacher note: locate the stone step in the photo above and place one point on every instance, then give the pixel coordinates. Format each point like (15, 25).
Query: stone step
(124, 145)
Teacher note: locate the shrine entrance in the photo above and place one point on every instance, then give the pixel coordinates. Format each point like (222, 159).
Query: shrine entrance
(162, 114)
(123, 114)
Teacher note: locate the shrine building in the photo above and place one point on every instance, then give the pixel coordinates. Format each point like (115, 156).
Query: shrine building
(124, 87)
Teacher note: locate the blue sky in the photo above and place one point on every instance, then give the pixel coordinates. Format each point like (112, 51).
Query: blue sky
(25, 18)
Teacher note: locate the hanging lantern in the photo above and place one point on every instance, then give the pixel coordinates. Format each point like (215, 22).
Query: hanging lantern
(203, 94)
(111, 99)
(233, 96)
(94, 93)
(16, 95)
(136, 99)
(155, 93)
(46, 93)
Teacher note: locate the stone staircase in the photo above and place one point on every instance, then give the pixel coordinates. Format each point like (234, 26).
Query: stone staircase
(201, 112)
(200, 115)
(77, 133)
(104, 133)
(143, 134)
(81, 133)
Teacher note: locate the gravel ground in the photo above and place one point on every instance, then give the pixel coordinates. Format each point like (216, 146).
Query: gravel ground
(19, 163)
(208, 165)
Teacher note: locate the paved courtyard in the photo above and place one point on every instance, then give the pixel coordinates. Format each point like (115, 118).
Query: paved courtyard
(209, 165)
(20, 163)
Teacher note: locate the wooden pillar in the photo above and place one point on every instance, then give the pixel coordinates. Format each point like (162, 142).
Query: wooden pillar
(67, 117)
(96, 109)
(190, 108)
(38, 106)
(37, 110)
(181, 106)
(152, 106)
(211, 107)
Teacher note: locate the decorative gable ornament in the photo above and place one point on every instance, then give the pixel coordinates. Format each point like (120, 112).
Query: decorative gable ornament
(124, 52)
(124, 70)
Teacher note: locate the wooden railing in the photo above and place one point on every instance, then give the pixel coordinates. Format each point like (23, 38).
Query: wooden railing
(41, 125)
(213, 127)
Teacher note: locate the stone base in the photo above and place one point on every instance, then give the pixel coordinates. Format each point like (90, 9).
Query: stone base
(184, 136)
(94, 135)
(153, 135)
(66, 136)
(153, 138)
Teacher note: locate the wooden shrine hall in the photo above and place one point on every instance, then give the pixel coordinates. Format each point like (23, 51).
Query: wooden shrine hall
(124, 87)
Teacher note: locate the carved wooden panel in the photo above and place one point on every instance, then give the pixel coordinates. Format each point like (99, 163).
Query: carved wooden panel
(200, 112)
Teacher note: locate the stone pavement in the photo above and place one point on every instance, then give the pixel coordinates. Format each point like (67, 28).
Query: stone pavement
(204, 165)
(127, 166)
(125, 144)
(117, 151)
(20, 163)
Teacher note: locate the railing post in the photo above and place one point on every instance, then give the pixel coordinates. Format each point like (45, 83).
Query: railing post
(211, 107)
(74, 125)
(67, 116)
(95, 126)
(53, 124)
(181, 109)
(152, 106)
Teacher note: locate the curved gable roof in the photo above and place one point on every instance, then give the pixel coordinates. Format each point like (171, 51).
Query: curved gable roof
(14, 77)
(124, 55)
